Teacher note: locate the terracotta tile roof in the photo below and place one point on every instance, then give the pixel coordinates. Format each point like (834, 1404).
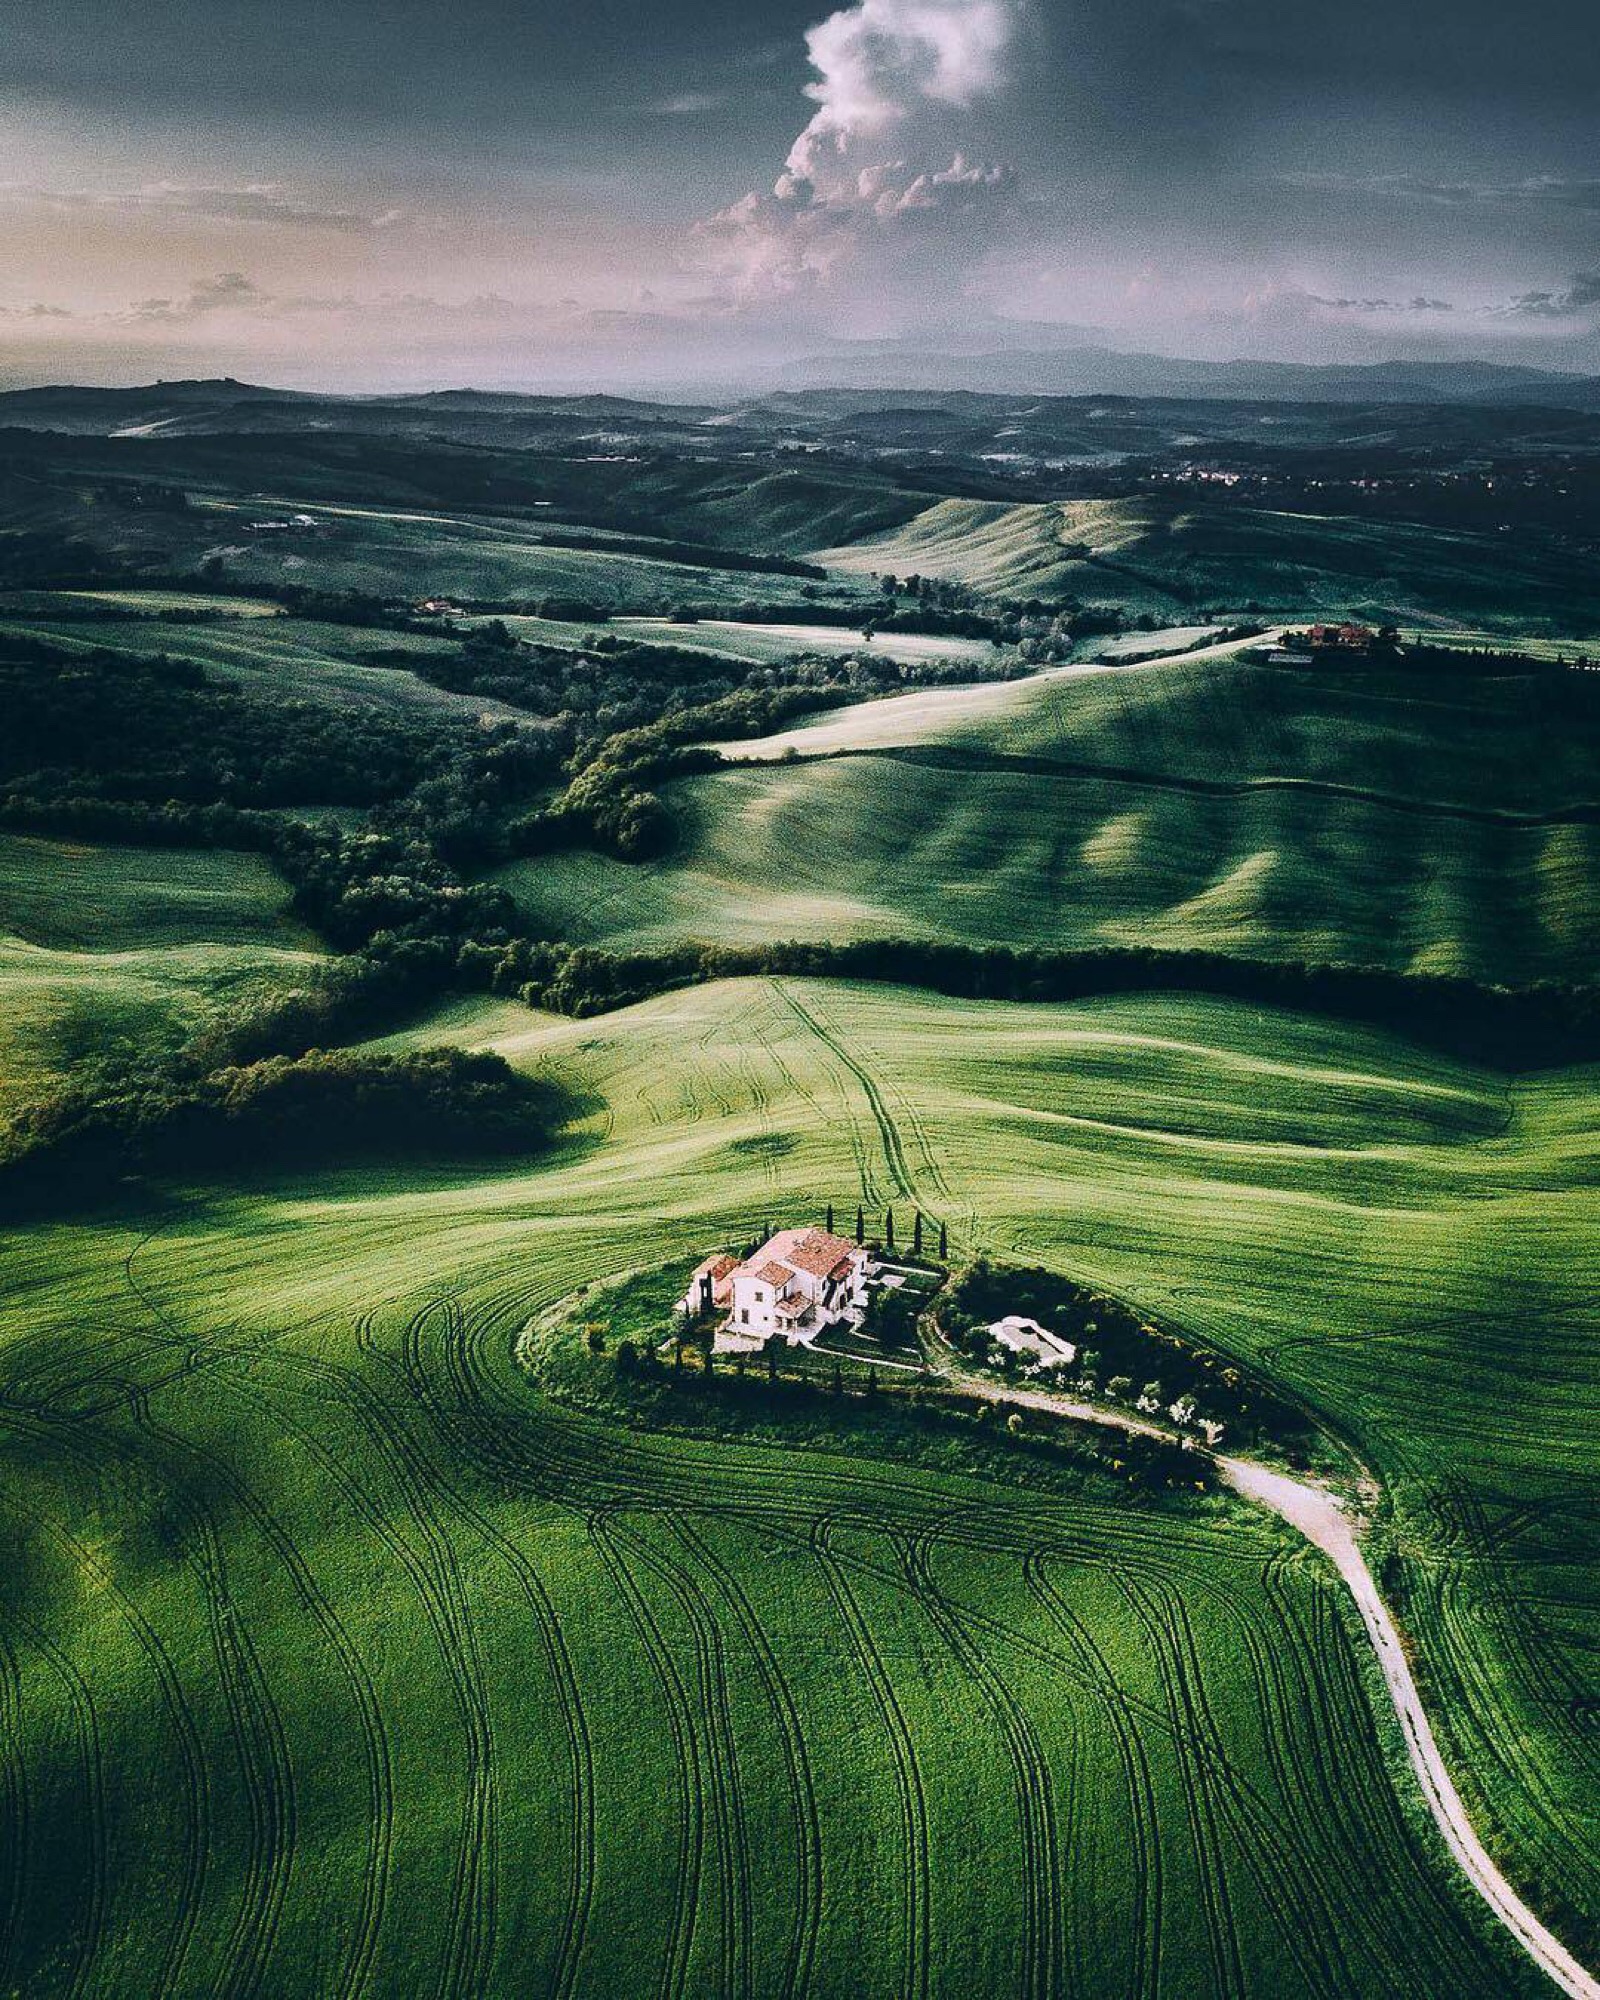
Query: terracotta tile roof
(818, 1254)
(775, 1274)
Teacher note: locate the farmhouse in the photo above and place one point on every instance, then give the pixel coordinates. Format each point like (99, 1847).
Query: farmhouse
(797, 1284)
(1346, 638)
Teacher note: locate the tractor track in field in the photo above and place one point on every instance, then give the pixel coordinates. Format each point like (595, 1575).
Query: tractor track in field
(195, 1787)
(15, 1813)
(423, 1470)
(952, 757)
(375, 1753)
(889, 1134)
(1032, 1784)
(96, 1837)
(433, 1570)
(262, 1744)
(728, 1812)
(1145, 1973)
(1227, 1971)
(672, 1977)
(801, 1956)
(916, 1874)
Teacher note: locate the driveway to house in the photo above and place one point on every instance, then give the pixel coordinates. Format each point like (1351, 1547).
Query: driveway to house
(1321, 1518)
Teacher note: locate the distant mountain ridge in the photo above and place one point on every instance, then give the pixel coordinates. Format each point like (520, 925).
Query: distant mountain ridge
(874, 370)
(1092, 371)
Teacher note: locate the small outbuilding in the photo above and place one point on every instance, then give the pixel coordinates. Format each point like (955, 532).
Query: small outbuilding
(1027, 1336)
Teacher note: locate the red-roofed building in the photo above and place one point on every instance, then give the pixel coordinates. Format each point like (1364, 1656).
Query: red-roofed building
(798, 1283)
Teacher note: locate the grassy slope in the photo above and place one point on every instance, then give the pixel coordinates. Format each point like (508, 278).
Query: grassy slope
(1412, 1244)
(1159, 552)
(1009, 840)
(302, 658)
(74, 896)
(118, 952)
(406, 553)
(461, 1690)
(739, 640)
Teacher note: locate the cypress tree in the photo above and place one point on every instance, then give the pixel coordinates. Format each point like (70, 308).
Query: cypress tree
(944, 1243)
(861, 1226)
(830, 1218)
(888, 1229)
(916, 1235)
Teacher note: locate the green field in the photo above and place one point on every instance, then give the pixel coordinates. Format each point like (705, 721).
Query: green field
(460, 1689)
(1159, 553)
(736, 639)
(300, 659)
(116, 953)
(399, 552)
(1203, 805)
(71, 895)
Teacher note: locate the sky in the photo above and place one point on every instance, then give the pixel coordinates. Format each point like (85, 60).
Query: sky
(649, 194)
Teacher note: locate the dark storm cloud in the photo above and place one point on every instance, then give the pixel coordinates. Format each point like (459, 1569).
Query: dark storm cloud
(1221, 171)
(1581, 296)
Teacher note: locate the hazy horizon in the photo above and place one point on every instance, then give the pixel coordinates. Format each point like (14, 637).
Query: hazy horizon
(680, 197)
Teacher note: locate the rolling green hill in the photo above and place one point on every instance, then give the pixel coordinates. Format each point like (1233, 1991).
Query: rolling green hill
(1202, 804)
(62, 1011)
(463, 1687)
(114, 953)
(1159, 553)
(75, 896)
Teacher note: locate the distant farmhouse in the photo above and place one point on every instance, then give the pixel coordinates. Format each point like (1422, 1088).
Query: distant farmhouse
(799, 1283)
(1348, 642)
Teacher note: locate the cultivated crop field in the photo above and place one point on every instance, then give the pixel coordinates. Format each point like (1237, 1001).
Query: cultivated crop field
(75, 895)
(736, 639)
(112, 953)
(1158, 553)
(408, 554)
(1208, 806)
(302, 659)
(462, 1689)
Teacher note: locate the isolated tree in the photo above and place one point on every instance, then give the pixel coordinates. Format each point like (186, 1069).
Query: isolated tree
(830, 1218)
(944, 1243)
(916, 1235)
(888, 1229)
(861, 1225)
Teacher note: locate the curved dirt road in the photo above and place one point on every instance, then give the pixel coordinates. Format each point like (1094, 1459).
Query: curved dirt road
(1324, 1523)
